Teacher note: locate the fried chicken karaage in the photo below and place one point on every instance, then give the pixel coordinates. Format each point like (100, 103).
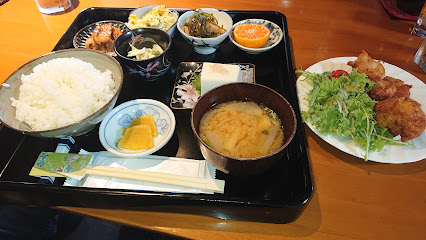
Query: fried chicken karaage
(389, 87)
(402, 116)
(394, 109)
(103, 38)
(365, 64)
(385, 87)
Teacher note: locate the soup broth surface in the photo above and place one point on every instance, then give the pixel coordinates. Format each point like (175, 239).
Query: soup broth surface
(242, 129)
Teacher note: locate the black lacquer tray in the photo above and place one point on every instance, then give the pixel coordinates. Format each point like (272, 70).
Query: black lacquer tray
(277, 196)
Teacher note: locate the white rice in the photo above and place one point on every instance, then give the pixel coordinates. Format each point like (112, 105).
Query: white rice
(62, 91)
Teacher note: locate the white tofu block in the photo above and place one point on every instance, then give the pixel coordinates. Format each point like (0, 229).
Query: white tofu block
(216, 74)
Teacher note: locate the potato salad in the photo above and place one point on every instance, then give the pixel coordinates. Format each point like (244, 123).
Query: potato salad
(159, 17)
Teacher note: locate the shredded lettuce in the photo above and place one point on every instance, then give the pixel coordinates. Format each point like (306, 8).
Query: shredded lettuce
(341, 106)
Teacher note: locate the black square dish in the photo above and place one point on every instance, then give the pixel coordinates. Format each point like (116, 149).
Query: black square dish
(277, 196)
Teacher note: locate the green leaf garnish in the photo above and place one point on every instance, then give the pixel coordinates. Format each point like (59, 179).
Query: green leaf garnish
(341, 107)
(196, 82)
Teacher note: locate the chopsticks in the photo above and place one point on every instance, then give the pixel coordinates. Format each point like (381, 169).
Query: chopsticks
(212, 185)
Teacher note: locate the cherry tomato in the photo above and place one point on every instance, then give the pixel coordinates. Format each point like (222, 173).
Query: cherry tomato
(338, 73)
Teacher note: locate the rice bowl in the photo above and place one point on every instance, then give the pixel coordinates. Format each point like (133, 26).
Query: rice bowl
(63, 91)
(11, 89)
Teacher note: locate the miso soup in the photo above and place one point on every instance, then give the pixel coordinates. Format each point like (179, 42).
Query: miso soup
(242, 129)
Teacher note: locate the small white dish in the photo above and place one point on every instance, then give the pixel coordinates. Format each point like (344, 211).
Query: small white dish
(206, 45)
(139, 12)
(111, 129)
(275, 36)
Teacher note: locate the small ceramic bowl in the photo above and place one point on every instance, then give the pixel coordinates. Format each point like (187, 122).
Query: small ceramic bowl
(206, 45)
(99, 60)
(148, 69)
(244, 92)
(111, 129)
(139, 12)
(83, 34)
(275, 36)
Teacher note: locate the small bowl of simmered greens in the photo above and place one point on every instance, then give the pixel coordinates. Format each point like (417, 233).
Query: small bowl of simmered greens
(205, 28)
(144, 52)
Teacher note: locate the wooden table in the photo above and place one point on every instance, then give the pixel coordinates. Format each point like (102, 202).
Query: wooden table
(353, 199)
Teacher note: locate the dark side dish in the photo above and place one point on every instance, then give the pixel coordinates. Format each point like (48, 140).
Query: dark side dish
(203, 25)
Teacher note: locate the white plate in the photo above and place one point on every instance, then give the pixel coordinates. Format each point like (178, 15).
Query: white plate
(390, 153)
(111, 129)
